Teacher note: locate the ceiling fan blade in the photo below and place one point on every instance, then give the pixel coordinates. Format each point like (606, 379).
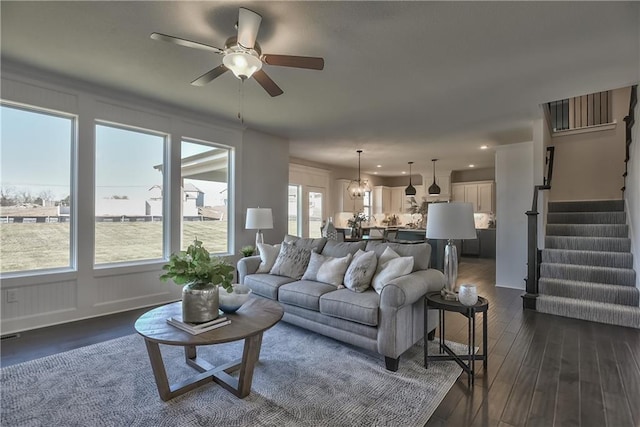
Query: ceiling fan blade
(185, 42)
(269, 85)
(309, 62)
(248, 27)
(210, 75)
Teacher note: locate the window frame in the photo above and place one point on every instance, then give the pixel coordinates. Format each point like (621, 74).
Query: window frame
(72, 267)
(102, 268)
(230, 190)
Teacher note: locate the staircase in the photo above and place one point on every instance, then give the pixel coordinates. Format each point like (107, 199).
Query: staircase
(587, 267)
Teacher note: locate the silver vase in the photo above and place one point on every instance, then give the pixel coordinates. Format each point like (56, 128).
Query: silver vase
(200, 302)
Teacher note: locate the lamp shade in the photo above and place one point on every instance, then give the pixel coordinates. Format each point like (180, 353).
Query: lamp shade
(259, 219)
(452, 220)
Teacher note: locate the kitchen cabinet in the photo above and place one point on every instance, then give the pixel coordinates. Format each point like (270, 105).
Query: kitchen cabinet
(487, 238)
(343, 203)
(457, 193)
(398, 202)
(485, 197)
(480, 194)
(471, 247)
(381, 199)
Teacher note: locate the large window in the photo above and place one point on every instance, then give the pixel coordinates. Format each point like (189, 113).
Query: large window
(35, 190)
(128, 194)
(205, 191)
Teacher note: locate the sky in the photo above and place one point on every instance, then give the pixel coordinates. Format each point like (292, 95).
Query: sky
(35, 156)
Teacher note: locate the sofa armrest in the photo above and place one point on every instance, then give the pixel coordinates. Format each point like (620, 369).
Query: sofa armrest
(408, 289)
(246, 266)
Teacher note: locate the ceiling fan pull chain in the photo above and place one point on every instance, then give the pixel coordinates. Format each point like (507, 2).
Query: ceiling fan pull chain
(241, 101)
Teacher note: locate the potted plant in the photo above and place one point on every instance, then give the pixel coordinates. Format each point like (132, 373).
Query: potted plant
(355, 223)
(247, 251)
(201, 274)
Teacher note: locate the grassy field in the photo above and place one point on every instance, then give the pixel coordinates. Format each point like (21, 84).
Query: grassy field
(41, 245)
(36, 246)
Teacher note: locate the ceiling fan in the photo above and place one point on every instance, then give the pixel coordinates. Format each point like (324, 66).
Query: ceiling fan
(243, 56)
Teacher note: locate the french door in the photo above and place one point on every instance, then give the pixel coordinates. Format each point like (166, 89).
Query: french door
(306, 210)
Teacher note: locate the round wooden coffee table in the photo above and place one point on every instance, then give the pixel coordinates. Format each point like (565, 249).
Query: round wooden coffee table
(248, 323)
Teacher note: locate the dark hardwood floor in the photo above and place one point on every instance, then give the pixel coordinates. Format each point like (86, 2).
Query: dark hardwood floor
(543, 370)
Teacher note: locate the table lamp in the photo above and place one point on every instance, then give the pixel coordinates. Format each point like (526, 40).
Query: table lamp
(450, 221)
(259, 219)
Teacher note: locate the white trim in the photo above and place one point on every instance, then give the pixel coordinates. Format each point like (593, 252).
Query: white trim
(585, 129)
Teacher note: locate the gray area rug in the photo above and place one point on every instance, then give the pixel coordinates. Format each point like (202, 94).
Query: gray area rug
(302, 379)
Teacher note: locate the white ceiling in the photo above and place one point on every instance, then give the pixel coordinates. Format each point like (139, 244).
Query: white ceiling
(404, 81)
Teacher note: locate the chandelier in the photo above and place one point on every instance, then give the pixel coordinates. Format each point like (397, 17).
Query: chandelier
(358, 187)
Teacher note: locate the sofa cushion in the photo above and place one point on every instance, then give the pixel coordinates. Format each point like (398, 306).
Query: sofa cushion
(390, 266)
(268, 255)
(327, 269)
(304, 293)
(421, 252)
(359, 307)
(313, 244)
(292, 261)
(266, 285)
(360, 272)
(339, 249)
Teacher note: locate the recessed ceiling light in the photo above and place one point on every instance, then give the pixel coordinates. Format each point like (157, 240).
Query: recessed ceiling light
(472, 166)
(484, 147)
(378, 166)
(375, 173)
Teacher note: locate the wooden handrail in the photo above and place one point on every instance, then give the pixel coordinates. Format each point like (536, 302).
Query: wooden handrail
(533, 253)
(629, 122)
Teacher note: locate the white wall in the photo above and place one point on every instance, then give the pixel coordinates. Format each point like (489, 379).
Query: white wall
(264, 183)
(589, 166)
(514, 192)
(260, 174)
(632, 195)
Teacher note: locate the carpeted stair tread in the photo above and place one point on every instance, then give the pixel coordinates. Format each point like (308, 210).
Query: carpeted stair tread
(586, 218)
(594, 258)
(588, 273)
(588, 230)
(599, 292)
(610, 244)
(587, 206)
(612, 314)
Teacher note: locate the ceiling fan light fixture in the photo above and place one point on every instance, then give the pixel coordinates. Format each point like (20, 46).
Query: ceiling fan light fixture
(434, 189)
(242, 64)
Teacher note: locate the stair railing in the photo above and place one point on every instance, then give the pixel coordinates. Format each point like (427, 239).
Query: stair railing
(629, 122)
(533, 253)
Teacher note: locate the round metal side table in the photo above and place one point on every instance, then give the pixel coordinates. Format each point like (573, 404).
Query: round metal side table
(434, 300)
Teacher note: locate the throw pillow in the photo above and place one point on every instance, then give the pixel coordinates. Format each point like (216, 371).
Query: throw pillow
(390, 266)
(327, 269)
(268, 256)
(313, 244)
(361, 270)
(292, 261)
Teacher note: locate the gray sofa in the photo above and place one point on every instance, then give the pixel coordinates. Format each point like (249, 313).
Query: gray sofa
(388, 323)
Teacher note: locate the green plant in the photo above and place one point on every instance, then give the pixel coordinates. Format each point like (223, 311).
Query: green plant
(247, 250)
(197, 265)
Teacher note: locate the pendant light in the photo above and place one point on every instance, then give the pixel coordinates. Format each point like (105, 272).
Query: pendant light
(358, 187)
(410, 190)
(434, 189)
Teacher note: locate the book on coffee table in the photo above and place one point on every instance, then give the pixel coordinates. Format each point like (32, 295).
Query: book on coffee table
(198, 328)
